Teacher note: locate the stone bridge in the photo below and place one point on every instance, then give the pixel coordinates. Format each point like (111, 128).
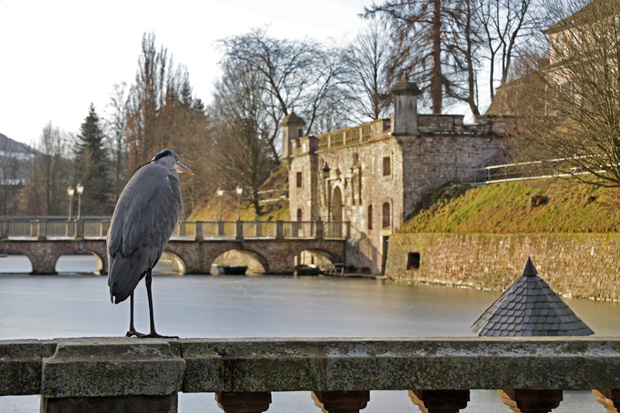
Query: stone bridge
(194, 247)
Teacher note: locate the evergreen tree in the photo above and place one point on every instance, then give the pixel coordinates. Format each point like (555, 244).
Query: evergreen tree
(91, 167)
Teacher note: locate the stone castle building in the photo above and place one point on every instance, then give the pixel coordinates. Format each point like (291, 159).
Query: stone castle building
(375, 175)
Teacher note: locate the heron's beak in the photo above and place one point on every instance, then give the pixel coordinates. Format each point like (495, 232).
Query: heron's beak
(182, 168)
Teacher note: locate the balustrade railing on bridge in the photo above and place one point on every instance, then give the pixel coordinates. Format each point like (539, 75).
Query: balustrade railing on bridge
(58, 229)
(108, 374)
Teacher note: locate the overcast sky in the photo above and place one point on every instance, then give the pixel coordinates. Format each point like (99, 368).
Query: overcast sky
(58, 56)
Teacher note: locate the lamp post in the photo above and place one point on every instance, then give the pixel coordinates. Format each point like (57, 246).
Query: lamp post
(70, 192)
(239, 191)
(326, 173)
(219, 193)
(80, 189)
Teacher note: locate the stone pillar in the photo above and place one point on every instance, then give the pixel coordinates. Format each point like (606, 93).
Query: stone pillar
(79, 229)
(439, 401)
(42, 230)
(243, 402)
(610, 398)
(320, 229)
(199, 236)
(279, 229)
(4, 229)
(111, 375)
(341, 401)
(531, 401)
(239, 230)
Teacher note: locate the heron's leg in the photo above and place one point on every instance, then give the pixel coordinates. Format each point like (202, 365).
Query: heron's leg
(132, 330)
(148, 280)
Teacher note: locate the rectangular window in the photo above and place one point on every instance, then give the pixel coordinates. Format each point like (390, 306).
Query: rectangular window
(298, 179)
(369, 218)
(387, 166)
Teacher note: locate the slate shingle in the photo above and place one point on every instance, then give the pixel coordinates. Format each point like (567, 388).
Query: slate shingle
(530, 308)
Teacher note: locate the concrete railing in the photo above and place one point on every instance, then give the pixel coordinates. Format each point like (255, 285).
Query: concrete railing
(121, 374)
(93, 229)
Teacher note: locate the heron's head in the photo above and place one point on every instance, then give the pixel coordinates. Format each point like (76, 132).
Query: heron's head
(171, 158)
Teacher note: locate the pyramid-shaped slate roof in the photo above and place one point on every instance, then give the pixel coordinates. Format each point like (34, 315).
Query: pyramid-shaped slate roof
(530, 308)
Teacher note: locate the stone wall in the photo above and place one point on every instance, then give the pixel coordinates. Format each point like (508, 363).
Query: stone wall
(580, 265)
(430, 161)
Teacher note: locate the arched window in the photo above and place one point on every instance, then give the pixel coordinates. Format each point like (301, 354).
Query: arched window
(299, 215)
(369, 218)
(386, 215)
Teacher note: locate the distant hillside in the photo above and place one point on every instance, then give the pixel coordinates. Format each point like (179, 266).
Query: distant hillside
(9, 145)
(552, 205)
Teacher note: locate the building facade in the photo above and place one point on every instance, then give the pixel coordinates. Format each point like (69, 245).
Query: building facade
(375, 175)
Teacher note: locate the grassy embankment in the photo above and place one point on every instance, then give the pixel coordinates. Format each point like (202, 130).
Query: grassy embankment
(564, 206)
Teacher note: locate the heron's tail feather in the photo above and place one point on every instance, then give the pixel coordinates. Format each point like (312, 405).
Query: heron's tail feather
(124, 275)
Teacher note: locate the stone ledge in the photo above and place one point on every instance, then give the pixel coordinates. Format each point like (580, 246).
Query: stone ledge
(111, 367)
(20, 365)
(399, 364)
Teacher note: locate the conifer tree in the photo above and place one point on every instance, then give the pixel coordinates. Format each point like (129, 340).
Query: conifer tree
(91, 167)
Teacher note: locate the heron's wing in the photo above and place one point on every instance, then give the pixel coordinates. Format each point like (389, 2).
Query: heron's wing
(144, 219)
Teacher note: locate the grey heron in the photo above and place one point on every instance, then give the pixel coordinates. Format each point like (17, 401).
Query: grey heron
(145, 216)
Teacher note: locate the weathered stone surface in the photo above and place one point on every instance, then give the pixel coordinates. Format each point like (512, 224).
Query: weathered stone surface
(579, 265)
(392, 364)
(115, 367)
(20, 365)
(102, 367)
(133, 404)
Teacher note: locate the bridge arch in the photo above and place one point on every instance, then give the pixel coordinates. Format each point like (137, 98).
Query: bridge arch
(257, 264)
(174, 260)
(100, 264)
(316, 257)
(14, 261)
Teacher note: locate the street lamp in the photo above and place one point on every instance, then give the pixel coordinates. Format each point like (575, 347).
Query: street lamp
(80, 189)
(239, 191)
(219, 193)
(70, 192)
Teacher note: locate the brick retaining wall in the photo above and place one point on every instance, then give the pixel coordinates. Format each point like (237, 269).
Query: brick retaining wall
(579, 265)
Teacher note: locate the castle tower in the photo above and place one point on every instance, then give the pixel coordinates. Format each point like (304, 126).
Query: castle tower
(405, 107)
(292, 128)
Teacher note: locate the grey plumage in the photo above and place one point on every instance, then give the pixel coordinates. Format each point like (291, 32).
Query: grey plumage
(145, 216)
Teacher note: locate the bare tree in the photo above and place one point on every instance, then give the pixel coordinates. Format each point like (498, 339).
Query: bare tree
(243, 153)
(368, 61)
(580, 92)
(116, 125)
(146, 98)
(298, 76)
(45, 193)
(423, 32)
(505, 23)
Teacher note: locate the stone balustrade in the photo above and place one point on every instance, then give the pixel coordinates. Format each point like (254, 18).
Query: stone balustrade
(128, 374)
(96, 229)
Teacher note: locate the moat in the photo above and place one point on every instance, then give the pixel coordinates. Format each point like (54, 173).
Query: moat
(72, 305)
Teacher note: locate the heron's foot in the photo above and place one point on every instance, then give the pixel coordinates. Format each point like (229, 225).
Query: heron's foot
(152, 334)
(132, 333)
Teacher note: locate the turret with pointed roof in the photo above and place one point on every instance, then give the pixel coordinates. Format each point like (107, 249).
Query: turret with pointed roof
(529, 307)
